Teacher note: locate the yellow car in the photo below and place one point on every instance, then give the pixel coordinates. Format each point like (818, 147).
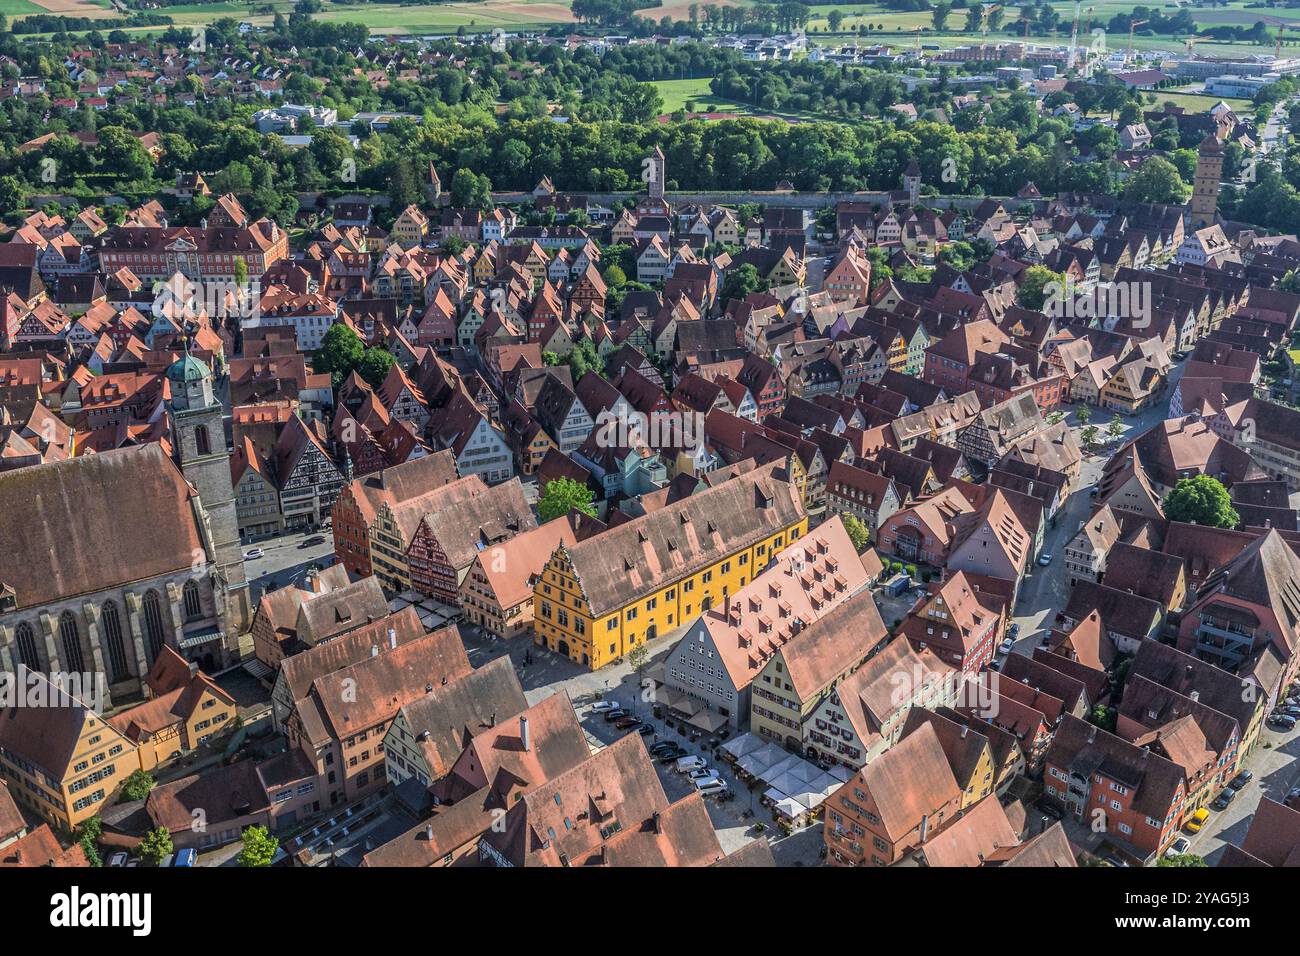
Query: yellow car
(1197, 821)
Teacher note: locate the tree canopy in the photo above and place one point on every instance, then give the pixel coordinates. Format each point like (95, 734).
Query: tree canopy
(1201, 499)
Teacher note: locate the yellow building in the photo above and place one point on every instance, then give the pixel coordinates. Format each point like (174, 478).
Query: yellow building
(184, 710)
(409, 228)
(61, 759)
(598, 599)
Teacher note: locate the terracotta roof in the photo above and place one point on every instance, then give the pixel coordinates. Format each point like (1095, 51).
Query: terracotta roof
(299, 671)
(1274, 834)
(42, 848)
(908, 782)
(971, 838)
(832, 644)
(806, 580)
(636, 558)
(511, 565)
(386, 682)
(444, 720)
(94, 522)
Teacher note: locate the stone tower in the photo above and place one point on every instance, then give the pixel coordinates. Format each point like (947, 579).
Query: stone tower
(199, 446)
(658, 170)
(912, 181)
(1205, 184)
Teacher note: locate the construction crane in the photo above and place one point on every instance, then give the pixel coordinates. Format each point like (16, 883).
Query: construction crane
(1192, 41)
(1281, 25)
(1074, 39)
(917, 31)
(1132, 25)
(987, 9)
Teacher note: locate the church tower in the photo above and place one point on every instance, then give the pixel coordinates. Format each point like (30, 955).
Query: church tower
(199, 446)
(658, 169)
(1205, 184)
(912, 182)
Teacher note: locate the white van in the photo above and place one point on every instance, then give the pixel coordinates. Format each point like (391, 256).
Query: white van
(690, 762)
(707, 788)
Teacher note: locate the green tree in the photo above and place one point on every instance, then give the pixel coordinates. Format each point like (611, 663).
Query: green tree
(156, 845)
(740, 282)
(341, 350)
(858, 532)
(1089, 436)
(614, 276)
(939, 14)
(471, 190)
(1083, 414)
(1182, 859)
(259, 847)
(87, 836)
(137, 786)
(374, 365)
(1115, 428)
(1156, 181)
(563, 495)
(1033, 289)
(1201, 499)
(834, 20)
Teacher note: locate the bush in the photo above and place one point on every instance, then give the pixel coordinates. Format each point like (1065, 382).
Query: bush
(137, 786)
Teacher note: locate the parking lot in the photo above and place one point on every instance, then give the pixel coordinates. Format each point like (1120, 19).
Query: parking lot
(738, 820)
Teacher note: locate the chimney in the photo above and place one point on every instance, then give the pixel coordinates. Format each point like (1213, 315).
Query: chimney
(428, 832)
(428, 688)
(925, 828)
(374, 650)
(523, 734)
(392, 639)
(1194, 696)
(1092, 734)
(964, 730)
(658, 822)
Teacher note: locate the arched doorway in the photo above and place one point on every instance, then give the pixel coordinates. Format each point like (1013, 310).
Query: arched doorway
(706, 604)
(562, 648)
(652, 632)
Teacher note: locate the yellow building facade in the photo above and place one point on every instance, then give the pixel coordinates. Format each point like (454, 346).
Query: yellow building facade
(604, 597)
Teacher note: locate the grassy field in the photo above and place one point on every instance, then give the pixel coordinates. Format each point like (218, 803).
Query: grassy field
(1199, 102)
(677, 92)
(888, 26)
(18, 8)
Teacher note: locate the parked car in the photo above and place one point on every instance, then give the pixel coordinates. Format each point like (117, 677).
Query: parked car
(613, 715)
(624, 723)
(699, 773)
(1197, 821)
(1048, 808)
(118, 859)
(186, 857)
(664, 746)
(1179, 847)
(1222, 801)
(708, 788)
(253, 554)
(601, 706)
(1045, 559)
(1290, 711)
(690, 762)
(1014, 630)
(1240, 780)
(314, 539)
(1292, 799)
(1006, 645)
(645, 730)
(1281, 722)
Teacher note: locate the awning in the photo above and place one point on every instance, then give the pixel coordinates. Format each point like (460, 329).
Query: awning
(201, 636)
(708, 720)
(675, 700)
